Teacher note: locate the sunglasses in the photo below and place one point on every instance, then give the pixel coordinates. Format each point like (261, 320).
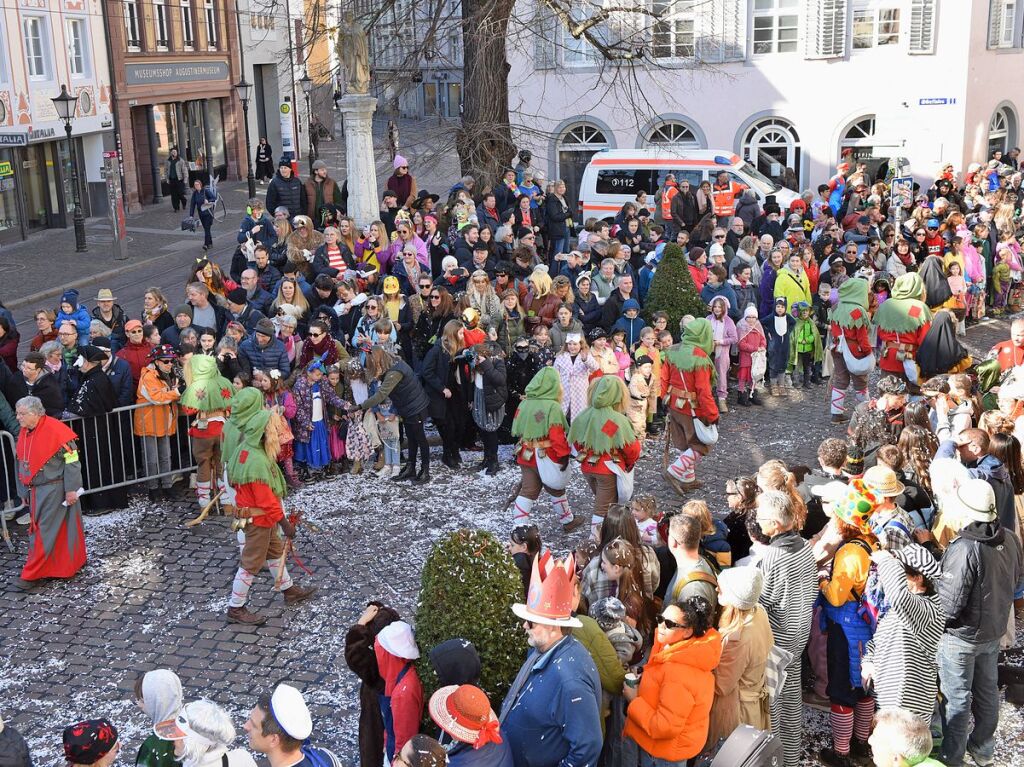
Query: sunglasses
(663, 621)
(435, 297)
(719, 236)
(135, 332)
(316, 335)
(403, 167)
(425, 287)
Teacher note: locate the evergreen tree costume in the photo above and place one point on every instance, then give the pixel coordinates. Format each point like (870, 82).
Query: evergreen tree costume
(848, 327)
(804, 345)
(903, 322)
(687, 378)
(259, 487)
(208, 398)
(606, 446)
(543, 450)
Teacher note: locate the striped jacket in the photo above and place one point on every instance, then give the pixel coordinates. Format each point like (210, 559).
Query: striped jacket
(790, 588)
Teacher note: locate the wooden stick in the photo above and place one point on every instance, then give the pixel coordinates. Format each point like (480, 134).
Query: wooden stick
(206, 510)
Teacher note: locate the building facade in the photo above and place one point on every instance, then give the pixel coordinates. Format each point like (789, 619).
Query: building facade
(791, 85)
(416, 55)
(45, 44)
(175, 64)
(264, 61)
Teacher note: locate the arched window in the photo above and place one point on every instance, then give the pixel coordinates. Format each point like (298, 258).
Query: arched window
(1002, 130)
(859, 143)
(673, 134)
(773, 146)
(575, 148)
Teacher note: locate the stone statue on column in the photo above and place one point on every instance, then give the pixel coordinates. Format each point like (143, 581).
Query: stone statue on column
(355, 54)
(357, 108)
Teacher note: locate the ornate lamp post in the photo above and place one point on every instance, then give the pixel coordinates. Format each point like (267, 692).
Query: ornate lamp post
(65, 104)
(307, 88)
(243, 88)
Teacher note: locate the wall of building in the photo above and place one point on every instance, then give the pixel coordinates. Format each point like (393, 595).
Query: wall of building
(264, 45)
(919, 102)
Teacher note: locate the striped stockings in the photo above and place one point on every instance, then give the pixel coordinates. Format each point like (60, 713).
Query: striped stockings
(685, 466)
(521, 510)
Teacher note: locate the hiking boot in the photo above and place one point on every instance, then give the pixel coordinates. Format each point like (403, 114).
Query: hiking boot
(831, 758)
(295, 594)
(357, 467)
(407, 472)
(379, 463)
(695, 485)
(572, 524)
(423, 477)
(674, 483)
(840, 418)
(742, 399)
(754, 399)
(243, 616)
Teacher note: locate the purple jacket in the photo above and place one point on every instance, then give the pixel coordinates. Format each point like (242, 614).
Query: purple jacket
(302, 423)
(393, 253)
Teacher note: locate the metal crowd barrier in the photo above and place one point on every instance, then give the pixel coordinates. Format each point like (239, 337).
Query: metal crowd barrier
(110, 453)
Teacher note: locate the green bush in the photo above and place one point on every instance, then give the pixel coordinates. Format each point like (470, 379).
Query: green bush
(672, 290)
(468, 585)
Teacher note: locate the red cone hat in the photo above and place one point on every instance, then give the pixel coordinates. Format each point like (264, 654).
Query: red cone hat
(549, 600)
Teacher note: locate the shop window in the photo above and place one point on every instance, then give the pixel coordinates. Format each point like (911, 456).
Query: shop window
(188, 37)
(160, 22)
(132, 25)
(776, 26)
(78, 47)
(37, 47)
(210, 14)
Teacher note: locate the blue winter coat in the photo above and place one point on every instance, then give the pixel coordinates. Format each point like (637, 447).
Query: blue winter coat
(551, 717)
(631, 327)
(724, 290)
(267, 235)
(272, 356)
(81, 317)
(120, 375)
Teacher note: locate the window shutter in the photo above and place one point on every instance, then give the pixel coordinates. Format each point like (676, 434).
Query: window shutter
(922, 26)
(545, 42)
(721, 30)
(996, 19)
(825, 31)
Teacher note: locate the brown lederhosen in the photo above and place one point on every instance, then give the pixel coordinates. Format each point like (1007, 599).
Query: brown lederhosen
(605, 490)
(532, 484)
(682, 434)
(261, 544)
(207, 455)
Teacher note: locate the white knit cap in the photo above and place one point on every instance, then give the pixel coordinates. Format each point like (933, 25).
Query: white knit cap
(398, 640)
(740, 587)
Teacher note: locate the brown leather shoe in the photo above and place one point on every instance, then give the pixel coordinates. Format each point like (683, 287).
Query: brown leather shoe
(295, 594)
(674, 483)
(695, 485)
(572, 524)
(245, 617)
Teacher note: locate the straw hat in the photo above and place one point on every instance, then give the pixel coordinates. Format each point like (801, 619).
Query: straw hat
(464, 712)
(883, 481)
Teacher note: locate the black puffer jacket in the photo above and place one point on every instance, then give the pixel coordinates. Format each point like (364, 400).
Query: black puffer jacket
(980, 570)
(288, 192)
(495, 388)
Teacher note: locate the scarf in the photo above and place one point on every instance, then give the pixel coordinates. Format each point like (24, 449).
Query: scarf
(541, 408)
(37, 446)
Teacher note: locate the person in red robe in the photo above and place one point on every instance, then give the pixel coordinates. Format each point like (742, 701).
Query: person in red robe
(50, 479)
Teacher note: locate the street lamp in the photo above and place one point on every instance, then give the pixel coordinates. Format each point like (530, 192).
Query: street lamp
(65, 104)
(242, 88)
(307, 88)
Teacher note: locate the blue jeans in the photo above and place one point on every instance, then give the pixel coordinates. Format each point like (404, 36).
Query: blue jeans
(646, 760)
(968, 679)
(556, 245)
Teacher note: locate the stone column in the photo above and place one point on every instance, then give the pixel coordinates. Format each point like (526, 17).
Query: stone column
(363, 201)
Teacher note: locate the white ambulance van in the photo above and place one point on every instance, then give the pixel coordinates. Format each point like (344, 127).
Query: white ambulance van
(615, 176)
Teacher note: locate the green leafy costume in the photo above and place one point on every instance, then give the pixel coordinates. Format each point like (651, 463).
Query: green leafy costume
(209, 390)
(903, 311)
(600, 427)
(805, 339)
(852, 309)
(540, 409)
(248, 461)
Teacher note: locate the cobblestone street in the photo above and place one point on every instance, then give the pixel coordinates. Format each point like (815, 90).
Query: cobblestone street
(153, 593)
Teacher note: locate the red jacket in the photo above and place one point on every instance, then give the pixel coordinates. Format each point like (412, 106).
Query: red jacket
(700, 276)
(258, 495)
(625, 458)
(890, 359)
(1009, 355)
(936, 245)
(406, 694)
(697, 382)
(857, 339)
(137, 357)
(556, 448)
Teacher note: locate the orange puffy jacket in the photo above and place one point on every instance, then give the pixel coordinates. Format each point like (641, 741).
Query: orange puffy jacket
(670, 715)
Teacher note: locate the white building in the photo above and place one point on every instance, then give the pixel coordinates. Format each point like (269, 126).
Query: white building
(45, 44)
(784, 83)
(416, 56)
(265, 49)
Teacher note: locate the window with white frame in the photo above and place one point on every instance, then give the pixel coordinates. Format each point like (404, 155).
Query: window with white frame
(4, 74)
(577, 50)
(132, 25)
(162, 25)
(188, 35)
(875, 25)
(776, 26)
(1009, 13)
(210, 11)
(673, 134)
(673, 35)
(37, 47)
(78, 47)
